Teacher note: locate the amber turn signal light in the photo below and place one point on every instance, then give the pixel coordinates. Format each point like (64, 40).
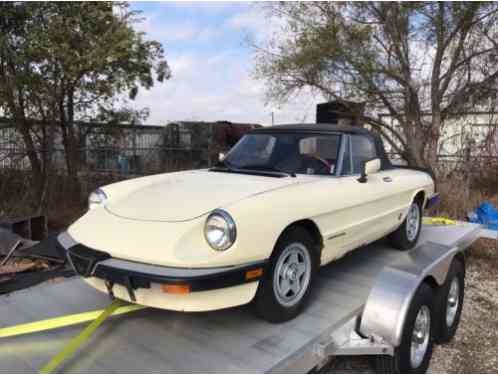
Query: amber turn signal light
(252, 274)
(175, 288)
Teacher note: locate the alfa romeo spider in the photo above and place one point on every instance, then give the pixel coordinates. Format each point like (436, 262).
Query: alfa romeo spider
(255, 227)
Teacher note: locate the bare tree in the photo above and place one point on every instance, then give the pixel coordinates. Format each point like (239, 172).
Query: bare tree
(423, 63)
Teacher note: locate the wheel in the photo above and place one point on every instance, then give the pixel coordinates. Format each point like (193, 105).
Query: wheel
(285, 288)
(406, 236)
(449, 303)
(415, 351)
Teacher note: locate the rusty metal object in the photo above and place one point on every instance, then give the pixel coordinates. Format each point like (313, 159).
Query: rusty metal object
(31, 228)
(8, 241)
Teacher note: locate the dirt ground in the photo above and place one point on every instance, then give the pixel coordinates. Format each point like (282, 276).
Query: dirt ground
(475, 346)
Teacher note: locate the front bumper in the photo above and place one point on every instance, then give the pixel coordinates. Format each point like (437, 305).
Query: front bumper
(138, 279)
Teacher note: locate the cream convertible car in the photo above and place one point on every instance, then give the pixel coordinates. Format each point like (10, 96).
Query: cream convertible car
(256, 227)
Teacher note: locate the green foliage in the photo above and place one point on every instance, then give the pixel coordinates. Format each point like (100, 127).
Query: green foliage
(63, 62)
(89, 51)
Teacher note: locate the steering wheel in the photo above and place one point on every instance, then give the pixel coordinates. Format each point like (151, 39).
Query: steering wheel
(320, 166)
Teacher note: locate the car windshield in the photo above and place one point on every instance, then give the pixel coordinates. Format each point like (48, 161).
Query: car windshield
(285, 152)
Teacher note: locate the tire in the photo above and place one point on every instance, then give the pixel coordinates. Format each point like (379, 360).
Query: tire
(402, 238)
(272, 303)
(448, 311)
(402, 361)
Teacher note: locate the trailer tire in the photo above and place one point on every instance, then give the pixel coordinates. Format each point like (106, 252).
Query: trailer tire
(449, 303)
(407, 234)
(271, 303)
(403, 361)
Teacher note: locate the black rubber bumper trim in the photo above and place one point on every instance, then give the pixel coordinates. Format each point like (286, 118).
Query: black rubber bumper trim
(84, 259)
(230, 277)
(88, 262)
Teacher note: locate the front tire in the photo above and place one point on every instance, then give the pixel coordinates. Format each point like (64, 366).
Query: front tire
(285, 287)
(406, 236)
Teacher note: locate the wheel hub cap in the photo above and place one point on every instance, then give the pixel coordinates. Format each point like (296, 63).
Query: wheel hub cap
(452, 302)
(413, 222)
(420, 337)
(292, 274)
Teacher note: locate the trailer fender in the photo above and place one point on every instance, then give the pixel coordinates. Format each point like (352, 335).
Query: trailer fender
(386, 307)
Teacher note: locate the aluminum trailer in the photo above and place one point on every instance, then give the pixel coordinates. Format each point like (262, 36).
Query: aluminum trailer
(360, 306)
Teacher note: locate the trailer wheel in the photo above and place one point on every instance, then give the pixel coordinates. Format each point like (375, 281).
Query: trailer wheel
(285, 288)
(449, 303)
(415, 351)
(406, 236)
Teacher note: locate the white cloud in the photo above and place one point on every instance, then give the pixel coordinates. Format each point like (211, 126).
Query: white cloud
(216, 84)
(251, 20)
(186, 30)
(257, 22)
(207, 6)
(220, 90)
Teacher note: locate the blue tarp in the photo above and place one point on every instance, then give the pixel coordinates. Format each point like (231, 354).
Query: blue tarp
(485, 214)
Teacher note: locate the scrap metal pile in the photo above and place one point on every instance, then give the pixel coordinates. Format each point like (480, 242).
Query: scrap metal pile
(27, 255)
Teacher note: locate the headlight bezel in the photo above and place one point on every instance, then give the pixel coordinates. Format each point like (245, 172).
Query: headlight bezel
(230, 234)
(96, 199)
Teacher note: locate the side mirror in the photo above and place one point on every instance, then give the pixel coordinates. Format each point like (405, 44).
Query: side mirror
(221, 156)
(369, 167)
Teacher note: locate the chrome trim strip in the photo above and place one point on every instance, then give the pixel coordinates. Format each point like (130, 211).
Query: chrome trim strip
(340, 158)
(336, 236)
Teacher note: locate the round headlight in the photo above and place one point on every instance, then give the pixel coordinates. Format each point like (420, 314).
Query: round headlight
(219, 230)
(97, 198)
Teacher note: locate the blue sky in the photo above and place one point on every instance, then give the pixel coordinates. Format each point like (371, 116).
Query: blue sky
(206, 47)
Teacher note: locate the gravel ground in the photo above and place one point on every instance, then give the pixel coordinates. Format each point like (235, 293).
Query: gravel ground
(475, 346)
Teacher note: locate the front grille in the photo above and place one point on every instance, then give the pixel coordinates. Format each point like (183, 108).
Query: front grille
(83, 259)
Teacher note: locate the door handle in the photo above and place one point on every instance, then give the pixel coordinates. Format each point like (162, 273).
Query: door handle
(388, 179)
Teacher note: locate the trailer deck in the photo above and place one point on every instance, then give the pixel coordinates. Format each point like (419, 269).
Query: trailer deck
(231, 340)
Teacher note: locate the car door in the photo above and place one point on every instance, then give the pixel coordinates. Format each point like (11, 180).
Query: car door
(368, 210)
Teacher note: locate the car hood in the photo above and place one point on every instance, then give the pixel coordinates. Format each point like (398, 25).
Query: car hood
(185, 196)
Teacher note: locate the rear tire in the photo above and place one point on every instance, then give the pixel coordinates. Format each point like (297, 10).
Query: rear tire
(449, 303)
(415, 351)
(406, 236)
(284, 290)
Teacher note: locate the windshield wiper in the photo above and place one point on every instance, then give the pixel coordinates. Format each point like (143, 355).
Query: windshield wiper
(223, 164)
(267, 168)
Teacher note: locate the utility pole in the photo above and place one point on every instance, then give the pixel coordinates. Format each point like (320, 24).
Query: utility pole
(272, 118)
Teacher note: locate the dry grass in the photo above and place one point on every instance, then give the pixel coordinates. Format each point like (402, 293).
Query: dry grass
(474, 348)
(458, 198)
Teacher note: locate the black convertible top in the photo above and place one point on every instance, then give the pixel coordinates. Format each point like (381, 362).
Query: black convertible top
(313, 128)
(330, 128)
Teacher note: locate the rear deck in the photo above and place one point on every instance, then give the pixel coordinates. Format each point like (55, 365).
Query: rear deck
(231, 340)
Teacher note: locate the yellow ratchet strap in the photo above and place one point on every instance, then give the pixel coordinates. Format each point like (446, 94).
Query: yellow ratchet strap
(63, 321)
(117, 307)
(438, 221)
(76, 342)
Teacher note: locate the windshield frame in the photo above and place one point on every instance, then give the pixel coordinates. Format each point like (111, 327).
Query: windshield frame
(223, 167)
